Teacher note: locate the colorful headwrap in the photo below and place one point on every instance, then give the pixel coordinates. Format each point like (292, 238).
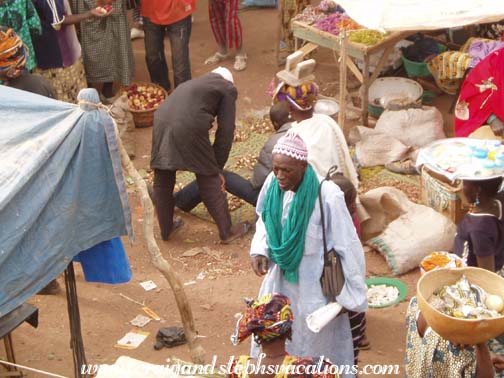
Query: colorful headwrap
(266, 318)
(301, 97)
(13, 52)
(292, 145)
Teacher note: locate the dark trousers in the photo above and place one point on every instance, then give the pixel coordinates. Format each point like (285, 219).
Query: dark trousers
(211, 195)
(189, 197)
(179, 34)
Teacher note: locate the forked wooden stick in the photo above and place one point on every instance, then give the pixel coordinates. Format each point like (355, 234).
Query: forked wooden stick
(197, 351)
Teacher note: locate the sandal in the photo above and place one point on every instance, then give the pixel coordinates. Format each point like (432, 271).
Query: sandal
(216, 58)
(243, 229)
(405, 167)
(240, 62)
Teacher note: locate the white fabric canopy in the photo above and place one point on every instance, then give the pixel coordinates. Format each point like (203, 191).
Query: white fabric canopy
(396, 15)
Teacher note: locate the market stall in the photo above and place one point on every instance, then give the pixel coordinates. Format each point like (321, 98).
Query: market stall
(358, 32)
(347, 50)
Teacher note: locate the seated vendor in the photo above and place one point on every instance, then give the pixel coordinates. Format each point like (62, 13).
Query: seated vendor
(269, 320)
(481, 98)
(13, 58)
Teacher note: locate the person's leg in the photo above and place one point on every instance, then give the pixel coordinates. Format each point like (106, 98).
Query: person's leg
(215, 202)
(217, 16)
(137, 29)
(241, 188)
(235, 34)
(179, 34)
(188, 198)
(164, 182)
(107, 89)
(154, 53)
(356, 324)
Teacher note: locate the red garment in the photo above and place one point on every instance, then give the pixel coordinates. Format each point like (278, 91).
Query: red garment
(167, 12)
(356, 222)
(226, 26)
(481, 95)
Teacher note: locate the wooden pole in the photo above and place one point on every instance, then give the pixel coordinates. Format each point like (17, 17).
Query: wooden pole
(195, 348)
(343, 81)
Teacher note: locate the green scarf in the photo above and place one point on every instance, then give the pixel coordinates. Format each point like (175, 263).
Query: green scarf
(287, 243)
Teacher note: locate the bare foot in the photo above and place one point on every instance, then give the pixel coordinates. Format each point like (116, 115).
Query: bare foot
(237, 231)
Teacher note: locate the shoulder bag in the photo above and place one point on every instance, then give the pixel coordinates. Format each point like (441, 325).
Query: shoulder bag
(332, 279)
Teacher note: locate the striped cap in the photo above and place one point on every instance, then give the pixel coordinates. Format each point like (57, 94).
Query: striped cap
(292, 145)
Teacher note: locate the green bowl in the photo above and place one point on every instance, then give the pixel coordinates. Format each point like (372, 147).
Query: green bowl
(403, 290)
(375, 111)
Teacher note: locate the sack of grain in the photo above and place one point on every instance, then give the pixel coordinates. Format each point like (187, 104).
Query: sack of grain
(412, 236)
(383, 205)
(414, 127)
(374, 148)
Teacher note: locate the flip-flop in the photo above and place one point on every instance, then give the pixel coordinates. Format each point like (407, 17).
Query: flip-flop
(245, 229)
(216, 58)
(364, 346)
(240, 62)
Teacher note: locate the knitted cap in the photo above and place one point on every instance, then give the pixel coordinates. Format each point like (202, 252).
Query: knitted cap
(292, 145)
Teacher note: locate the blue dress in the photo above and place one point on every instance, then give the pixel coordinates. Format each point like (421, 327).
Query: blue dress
(106, 262)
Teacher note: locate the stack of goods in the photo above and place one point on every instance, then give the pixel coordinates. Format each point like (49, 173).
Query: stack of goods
(381, 295)
(145, 97)
(440, 260)
(337, 22)
(310, 15)
(465, 300)
(464, 158)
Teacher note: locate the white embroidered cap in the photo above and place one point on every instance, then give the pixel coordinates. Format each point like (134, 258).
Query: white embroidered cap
(292, 145)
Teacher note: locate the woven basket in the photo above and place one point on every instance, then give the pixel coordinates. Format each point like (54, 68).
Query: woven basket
(461, 331)
(145, 118)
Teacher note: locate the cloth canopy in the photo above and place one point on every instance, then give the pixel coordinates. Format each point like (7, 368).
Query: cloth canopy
(396, 15)
(62, 189)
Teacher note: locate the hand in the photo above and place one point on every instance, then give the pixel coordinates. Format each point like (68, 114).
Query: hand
(5, 75)
(498, 362)
(497, 127)
(259, 264)
(98, 12)
(223, 182)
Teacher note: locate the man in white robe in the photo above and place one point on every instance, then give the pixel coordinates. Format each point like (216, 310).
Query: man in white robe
(335, 340)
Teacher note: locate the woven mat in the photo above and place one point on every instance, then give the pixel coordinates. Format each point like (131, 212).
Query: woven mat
(375, 177)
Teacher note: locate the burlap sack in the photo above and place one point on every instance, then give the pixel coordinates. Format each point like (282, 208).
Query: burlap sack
(383, 205)
(124, 120)
(410, 231)
(374, 148)
(413, 127)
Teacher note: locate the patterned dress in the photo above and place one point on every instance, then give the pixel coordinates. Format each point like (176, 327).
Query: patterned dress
(106, 44)
(291, 367)
(432, 356)
(21, 16)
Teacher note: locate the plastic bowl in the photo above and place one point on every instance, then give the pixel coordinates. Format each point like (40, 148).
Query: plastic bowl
(388, 88)
(326, 106)
(461, 331)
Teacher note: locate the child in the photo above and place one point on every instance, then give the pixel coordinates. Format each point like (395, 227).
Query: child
(357, 319)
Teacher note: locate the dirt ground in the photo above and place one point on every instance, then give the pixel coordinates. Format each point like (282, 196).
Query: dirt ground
(218, 296)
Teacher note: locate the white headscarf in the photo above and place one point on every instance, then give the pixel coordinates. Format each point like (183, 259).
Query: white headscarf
(225, 73)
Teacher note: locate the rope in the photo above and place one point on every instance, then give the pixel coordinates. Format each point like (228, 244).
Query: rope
(31, 369)
(94, 104)
(76, 342)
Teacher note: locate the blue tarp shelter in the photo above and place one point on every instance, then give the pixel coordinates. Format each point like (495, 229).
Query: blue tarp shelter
(61, 188)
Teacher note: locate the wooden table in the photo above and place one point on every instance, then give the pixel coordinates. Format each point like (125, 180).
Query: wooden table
(345, 48)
